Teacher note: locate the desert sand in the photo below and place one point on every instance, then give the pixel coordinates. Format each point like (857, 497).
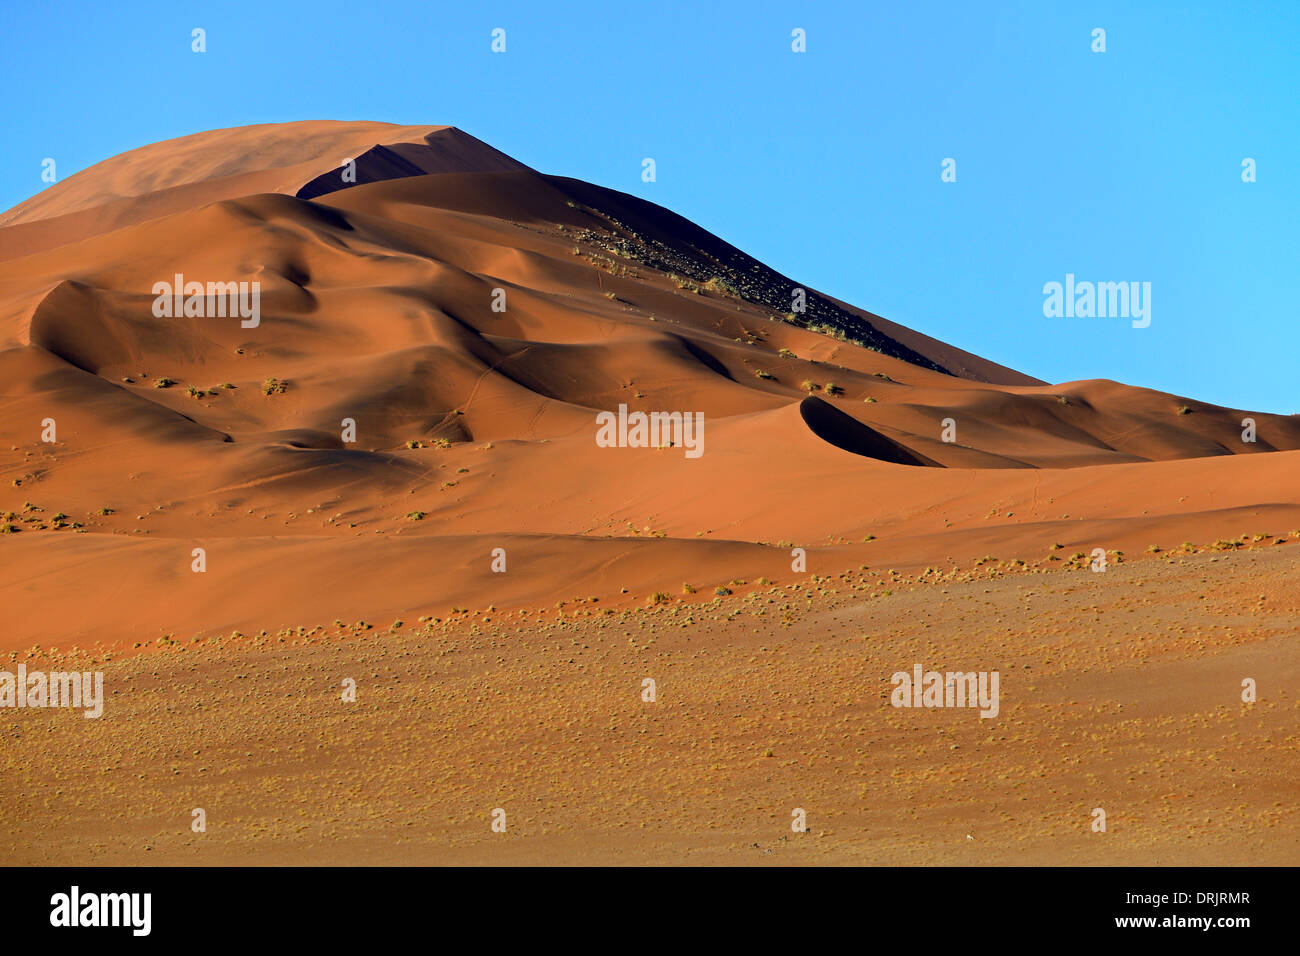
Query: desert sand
(827, 537)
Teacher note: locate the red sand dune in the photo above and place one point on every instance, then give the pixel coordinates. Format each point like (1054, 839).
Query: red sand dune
(476, 430)
(376, 306)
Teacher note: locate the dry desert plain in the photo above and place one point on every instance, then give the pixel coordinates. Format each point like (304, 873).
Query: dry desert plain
(470, 317)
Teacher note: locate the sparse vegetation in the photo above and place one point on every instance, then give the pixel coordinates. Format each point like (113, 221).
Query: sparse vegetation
(415, 515)
(1184, 410)
(164, 382)
(809, 386)
(274, 386)
(764, 374)
(833, 389)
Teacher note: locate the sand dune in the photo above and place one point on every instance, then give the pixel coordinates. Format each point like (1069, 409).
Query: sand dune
(376, 307)
(416, 401)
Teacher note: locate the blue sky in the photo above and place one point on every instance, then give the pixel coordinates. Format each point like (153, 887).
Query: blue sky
(1115, 166)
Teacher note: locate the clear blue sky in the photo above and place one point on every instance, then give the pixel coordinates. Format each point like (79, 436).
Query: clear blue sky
(1115, 166)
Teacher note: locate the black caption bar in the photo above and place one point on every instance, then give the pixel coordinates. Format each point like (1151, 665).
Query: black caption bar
(141, 907)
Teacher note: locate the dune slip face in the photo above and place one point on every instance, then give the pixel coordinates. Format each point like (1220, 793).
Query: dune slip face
(265, 390)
